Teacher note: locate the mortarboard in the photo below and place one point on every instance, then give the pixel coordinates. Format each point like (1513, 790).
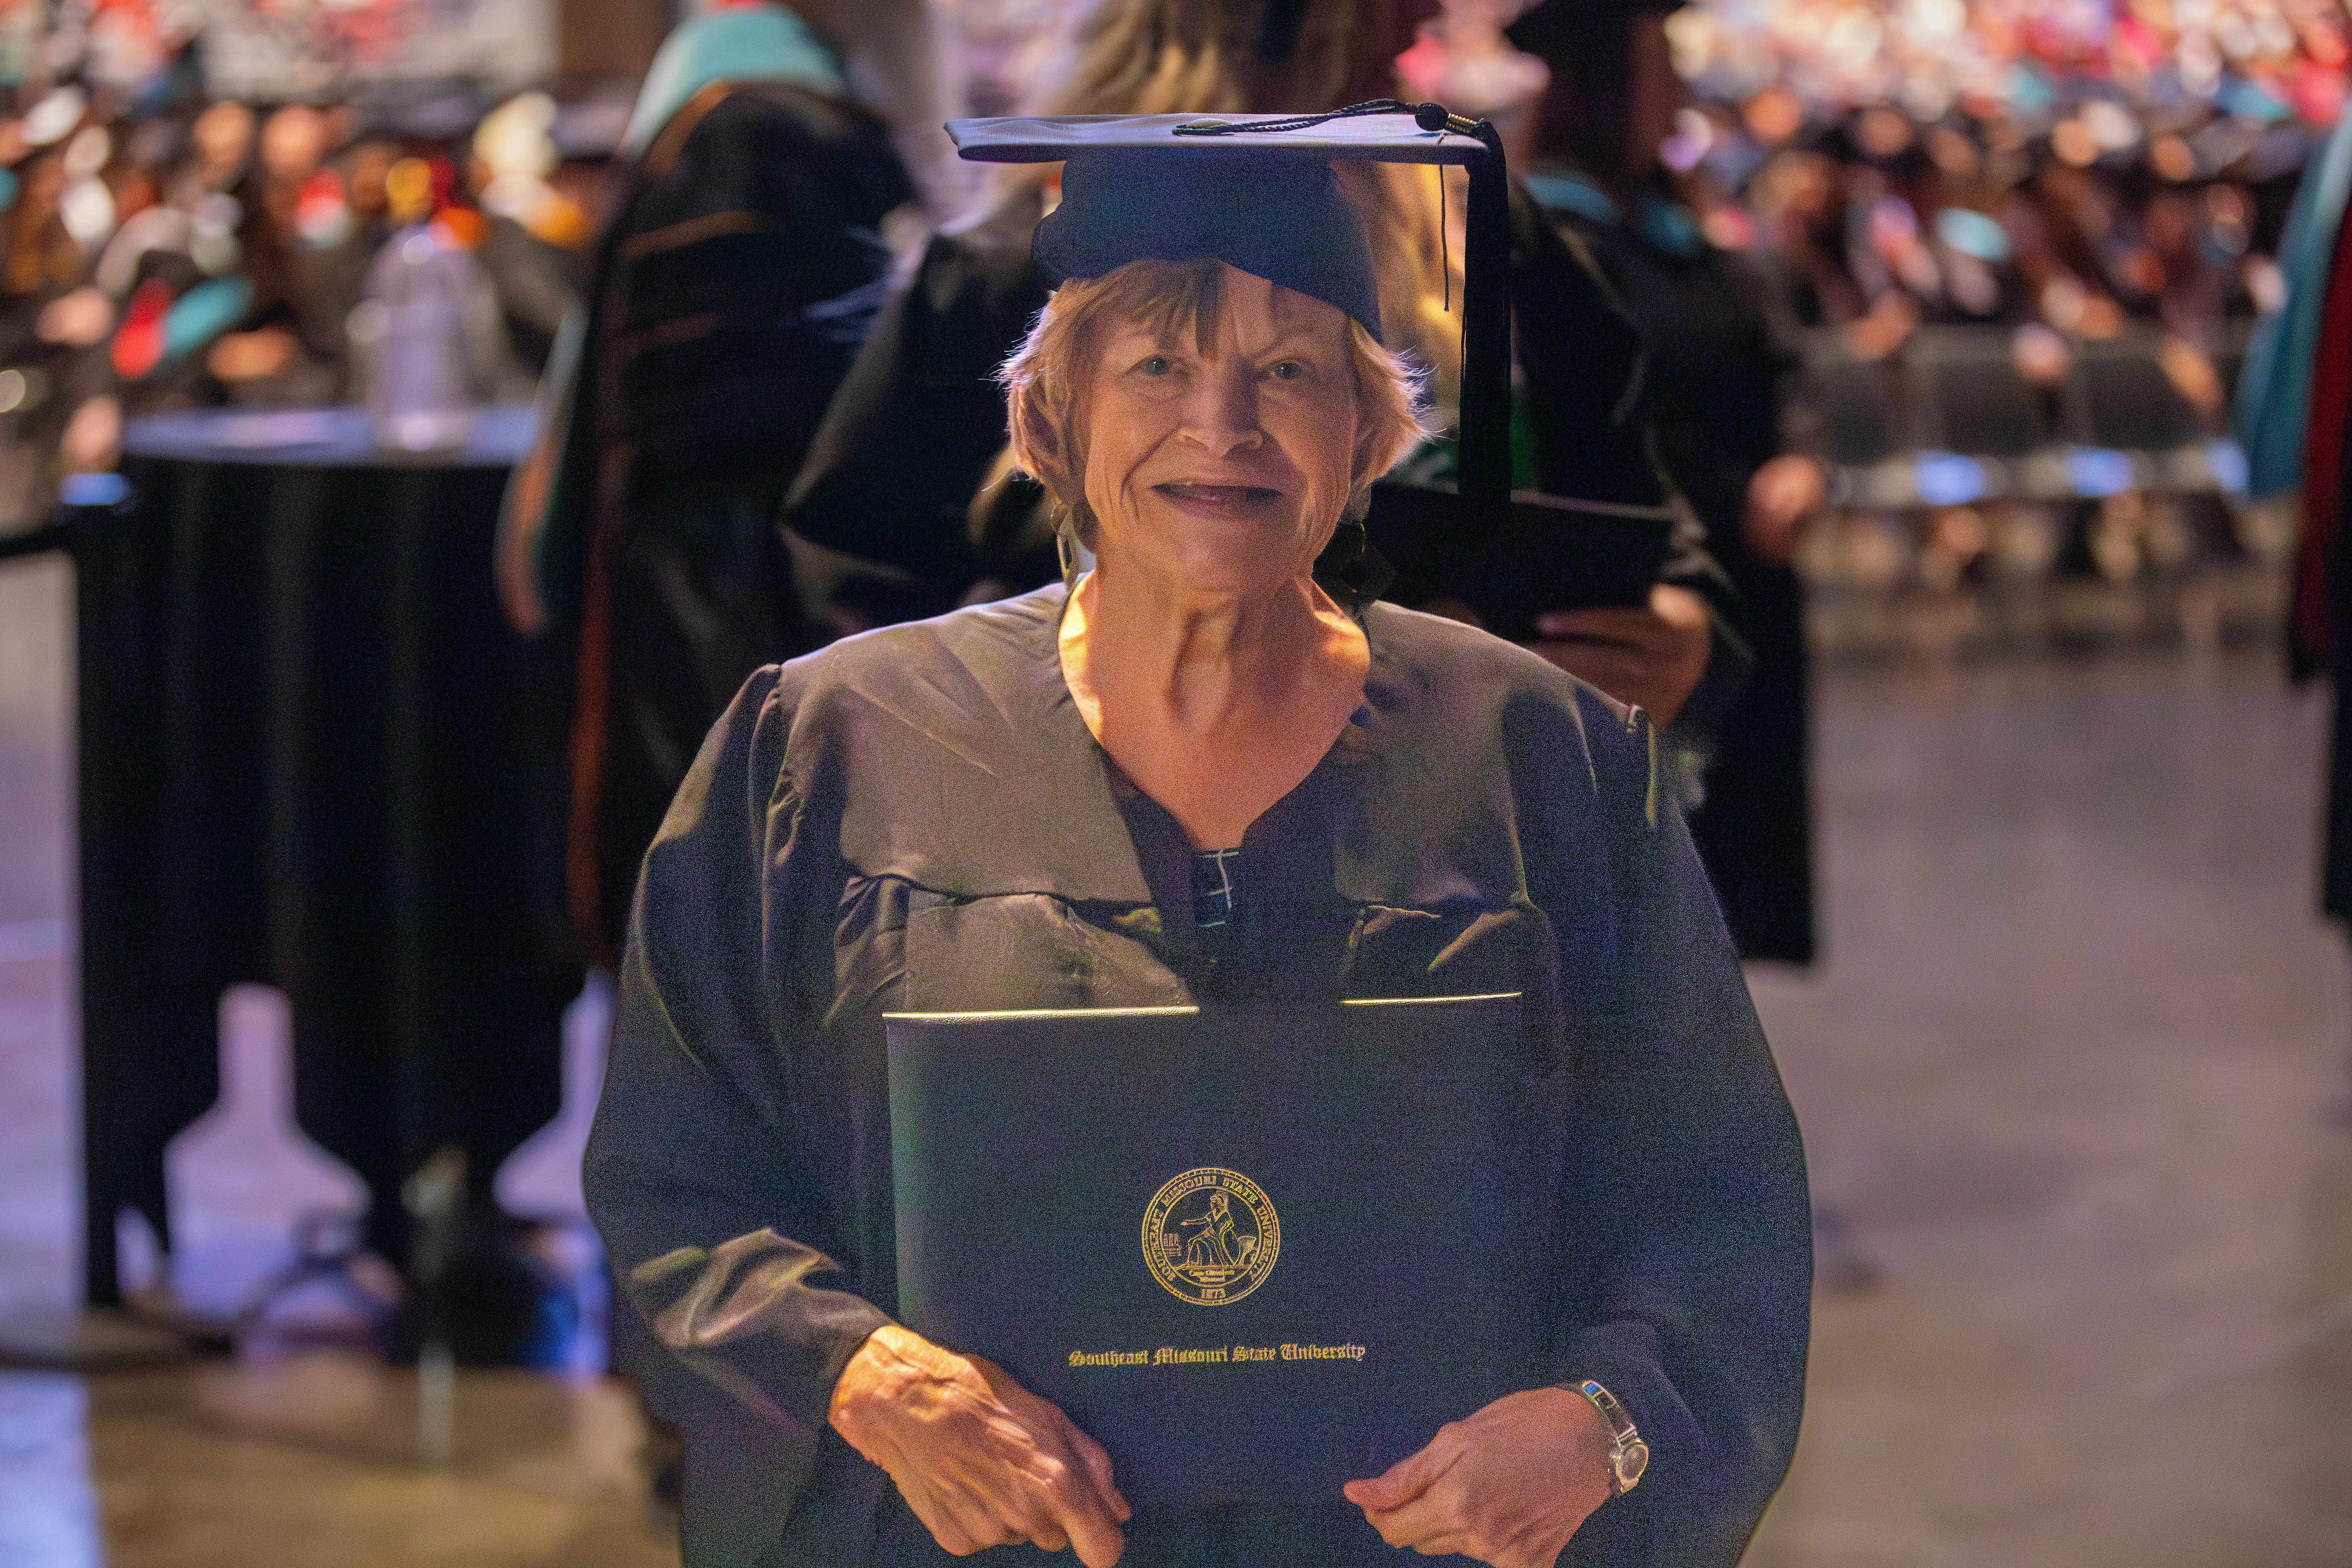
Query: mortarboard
(1258, 192)
(1134, 205)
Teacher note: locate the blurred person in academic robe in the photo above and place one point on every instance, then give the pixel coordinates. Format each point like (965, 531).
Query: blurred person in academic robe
(1717, 364)
(740, 266)
(741, 256)
(909, 504)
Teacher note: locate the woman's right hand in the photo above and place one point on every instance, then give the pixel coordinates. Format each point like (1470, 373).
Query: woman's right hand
(983, 1461)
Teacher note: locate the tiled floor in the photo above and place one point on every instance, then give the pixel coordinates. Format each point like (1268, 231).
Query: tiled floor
(2075, 1080)
(2075, 1084)
(312, 1463)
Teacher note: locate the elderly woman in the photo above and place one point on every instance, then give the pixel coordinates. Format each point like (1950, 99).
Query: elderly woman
(1199, 774)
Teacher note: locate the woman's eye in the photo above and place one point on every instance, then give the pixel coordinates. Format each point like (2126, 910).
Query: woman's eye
(1286, 370)
(1156, 365)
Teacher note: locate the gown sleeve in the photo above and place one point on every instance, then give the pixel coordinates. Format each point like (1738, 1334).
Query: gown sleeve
(718, 1234)
(1688, 1227)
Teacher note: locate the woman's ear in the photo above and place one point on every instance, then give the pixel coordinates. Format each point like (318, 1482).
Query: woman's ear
(1036, 448)
(1040, 434)
(1048, 442)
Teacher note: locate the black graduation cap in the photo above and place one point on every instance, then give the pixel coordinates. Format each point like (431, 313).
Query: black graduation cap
(1258, 192)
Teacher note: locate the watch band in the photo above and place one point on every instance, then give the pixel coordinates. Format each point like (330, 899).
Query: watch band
(1628, 1455)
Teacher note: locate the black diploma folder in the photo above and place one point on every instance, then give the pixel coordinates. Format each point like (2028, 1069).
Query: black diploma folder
(1254, 1252)
(1547, 552)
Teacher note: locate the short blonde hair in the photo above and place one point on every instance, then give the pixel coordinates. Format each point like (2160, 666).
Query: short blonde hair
(1046, 377)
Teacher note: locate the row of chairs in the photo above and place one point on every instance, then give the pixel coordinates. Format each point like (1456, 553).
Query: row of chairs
(1951, 419)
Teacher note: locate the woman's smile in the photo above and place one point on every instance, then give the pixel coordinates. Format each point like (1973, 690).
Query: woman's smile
(1251, 501)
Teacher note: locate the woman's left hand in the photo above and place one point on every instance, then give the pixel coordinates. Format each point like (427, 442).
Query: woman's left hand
(1507, 1486)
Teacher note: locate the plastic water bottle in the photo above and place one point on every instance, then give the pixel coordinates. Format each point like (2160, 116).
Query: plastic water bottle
(242, 1180)
(410, 332)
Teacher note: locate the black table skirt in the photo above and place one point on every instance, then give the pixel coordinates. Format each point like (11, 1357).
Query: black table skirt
(313, 755)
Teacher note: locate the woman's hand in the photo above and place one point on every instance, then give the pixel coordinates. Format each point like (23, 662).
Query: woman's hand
(1652, 658)
(980, 1461)
(1507, 1486)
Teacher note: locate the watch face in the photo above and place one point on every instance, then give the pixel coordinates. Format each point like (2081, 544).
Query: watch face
(1629, 1460)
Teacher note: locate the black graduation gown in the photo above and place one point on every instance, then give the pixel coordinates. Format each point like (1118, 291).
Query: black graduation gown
(737, 274)
(1712, 394)
(891, 473)
(917, 819)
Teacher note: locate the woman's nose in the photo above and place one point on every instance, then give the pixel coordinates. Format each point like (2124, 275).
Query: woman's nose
(1220, 412)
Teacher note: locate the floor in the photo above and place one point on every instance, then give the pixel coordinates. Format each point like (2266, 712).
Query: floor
(2075, 1084)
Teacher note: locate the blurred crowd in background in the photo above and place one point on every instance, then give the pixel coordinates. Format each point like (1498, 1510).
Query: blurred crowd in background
(167, 251)
(2028, 235)
(2023, 243)
(2073, 164)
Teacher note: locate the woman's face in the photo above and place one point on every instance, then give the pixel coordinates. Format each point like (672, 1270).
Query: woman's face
(1222, 469)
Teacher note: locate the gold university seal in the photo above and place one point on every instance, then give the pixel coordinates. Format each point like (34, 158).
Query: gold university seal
(1210, 1236)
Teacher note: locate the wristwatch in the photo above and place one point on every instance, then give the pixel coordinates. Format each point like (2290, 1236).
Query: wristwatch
(1628, 1455)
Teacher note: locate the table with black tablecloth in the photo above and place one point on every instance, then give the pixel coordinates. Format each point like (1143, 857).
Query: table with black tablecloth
(313, 755)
